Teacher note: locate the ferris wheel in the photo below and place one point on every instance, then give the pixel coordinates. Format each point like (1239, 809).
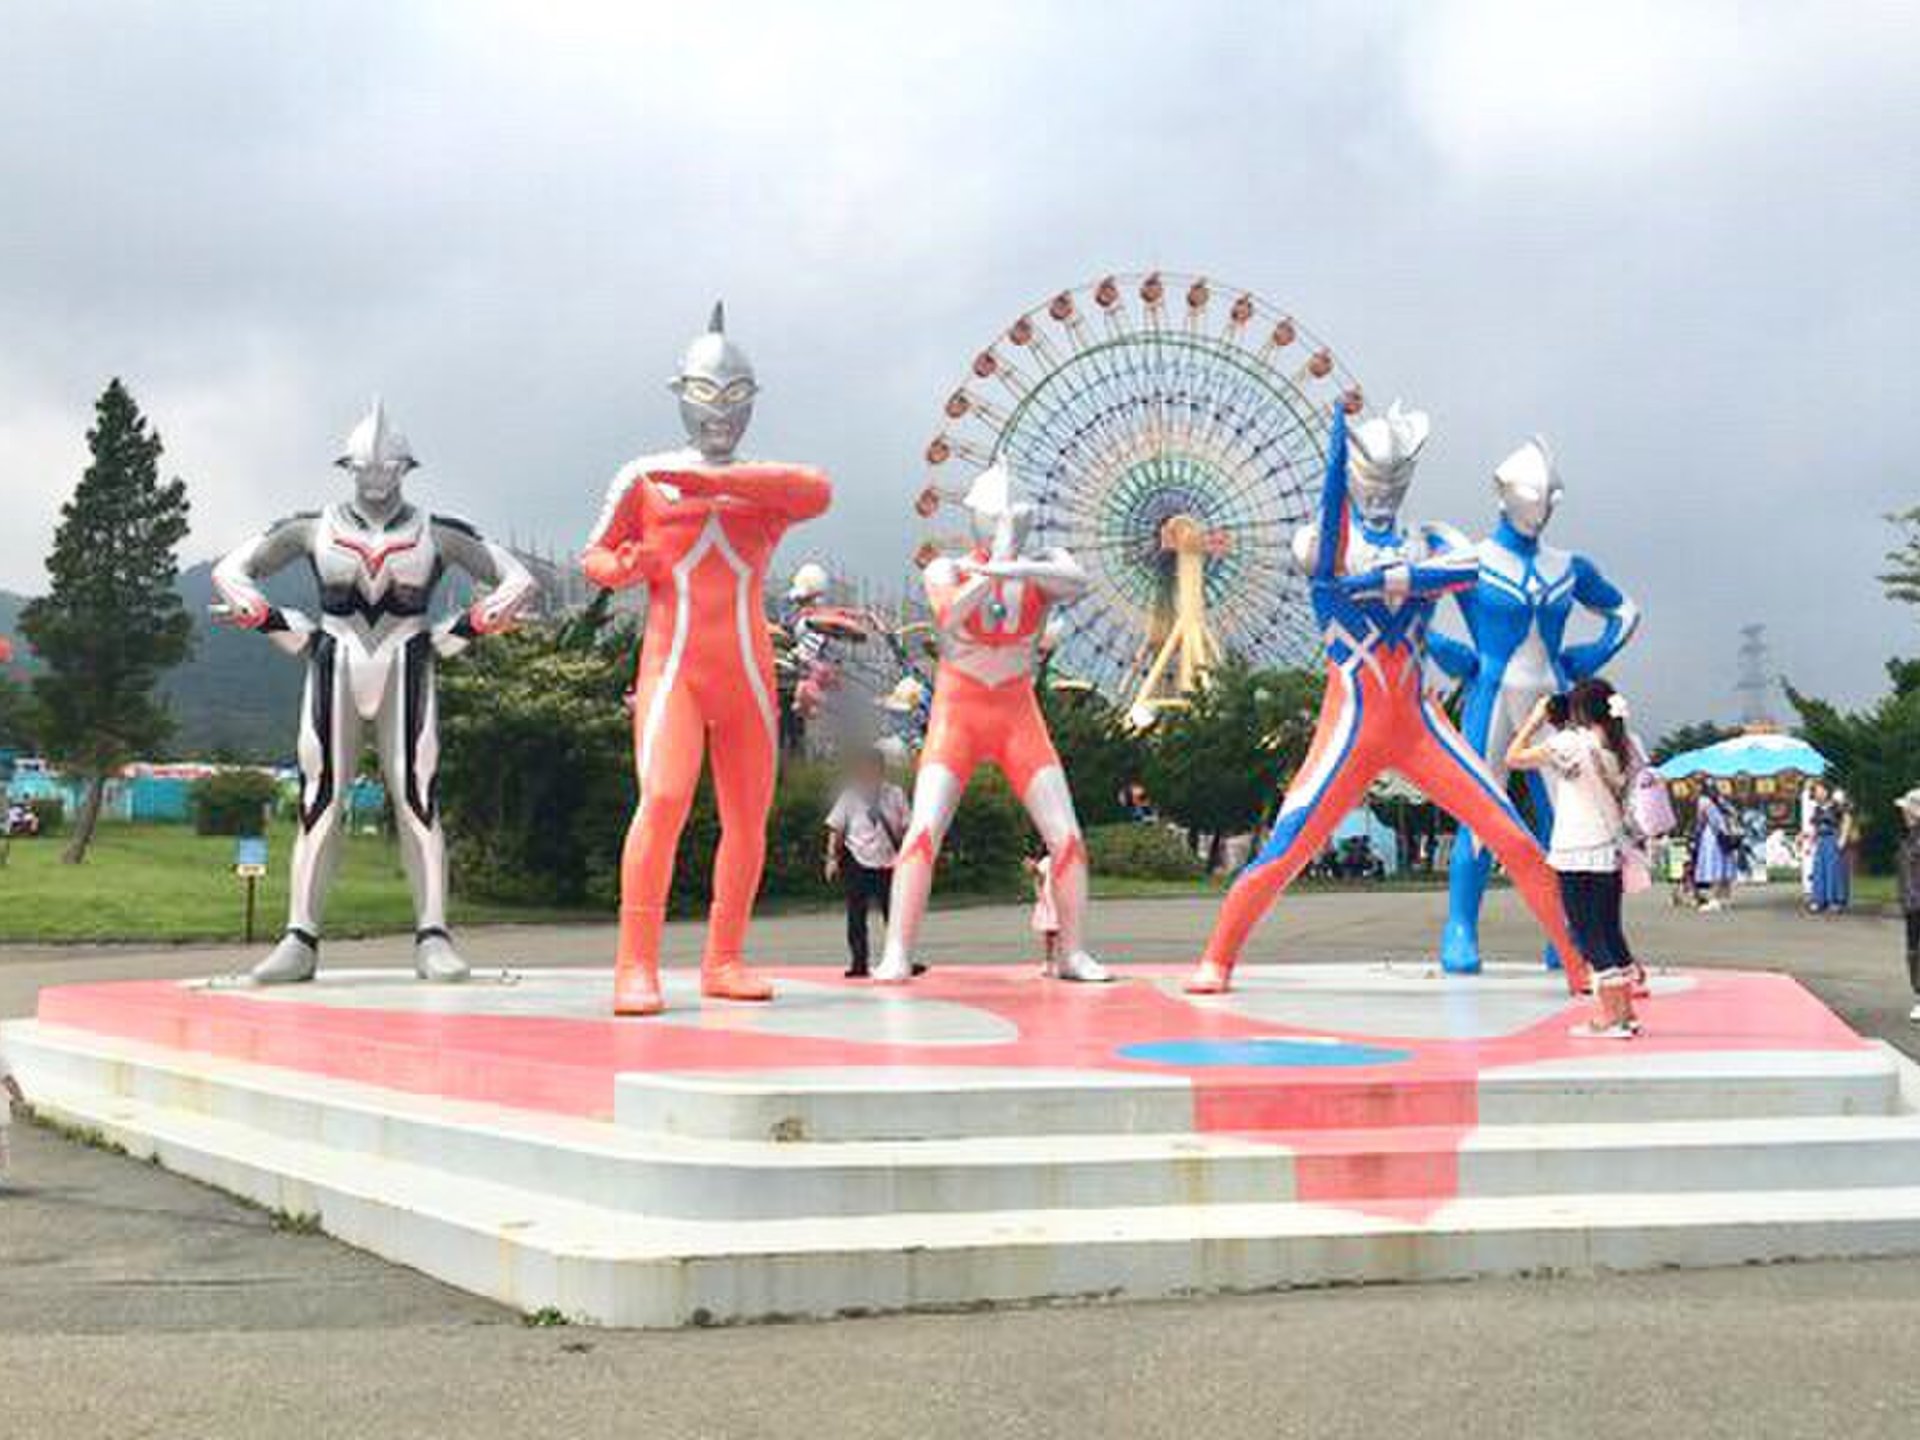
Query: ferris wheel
(1171, 433)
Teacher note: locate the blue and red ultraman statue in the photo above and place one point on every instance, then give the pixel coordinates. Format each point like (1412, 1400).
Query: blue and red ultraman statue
(1374, 599)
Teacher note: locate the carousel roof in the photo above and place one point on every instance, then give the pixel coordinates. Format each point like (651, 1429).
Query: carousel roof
(1747, 755)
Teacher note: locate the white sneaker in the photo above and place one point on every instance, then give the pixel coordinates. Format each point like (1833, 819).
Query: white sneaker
(893, 969)
(1914, 1014)
(1083, 967)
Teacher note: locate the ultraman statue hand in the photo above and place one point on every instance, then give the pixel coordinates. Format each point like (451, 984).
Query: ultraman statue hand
(495, 613)
(243, 610)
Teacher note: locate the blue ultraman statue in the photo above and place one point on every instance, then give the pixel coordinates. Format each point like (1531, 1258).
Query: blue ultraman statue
(1517, 615)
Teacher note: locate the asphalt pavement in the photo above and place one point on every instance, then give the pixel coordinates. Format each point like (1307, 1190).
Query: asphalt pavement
(134, 1303)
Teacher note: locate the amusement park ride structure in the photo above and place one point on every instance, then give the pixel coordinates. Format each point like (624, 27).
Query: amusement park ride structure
(1171, 434)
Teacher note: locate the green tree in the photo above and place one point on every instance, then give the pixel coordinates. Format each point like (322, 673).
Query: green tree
(1217, 765)
(1902, 579)
(536, 779)
(536, 773)
(1100, 751)
(1874, 754)
(1694, 735)
(111, 623)
(16, 715)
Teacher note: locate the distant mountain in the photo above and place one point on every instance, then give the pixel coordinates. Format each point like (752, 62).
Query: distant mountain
(235, 696)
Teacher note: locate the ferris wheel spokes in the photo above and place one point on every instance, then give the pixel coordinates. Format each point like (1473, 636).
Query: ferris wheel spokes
(1172, 432)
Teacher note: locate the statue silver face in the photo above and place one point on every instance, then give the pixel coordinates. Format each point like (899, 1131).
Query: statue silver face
(716, 389)
(1381, 455)
(1528, 487)
(998, 512)
(1378, 500)
(1003, 535)
(378, 458)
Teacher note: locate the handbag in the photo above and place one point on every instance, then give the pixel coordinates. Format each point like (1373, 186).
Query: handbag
(1650, 805)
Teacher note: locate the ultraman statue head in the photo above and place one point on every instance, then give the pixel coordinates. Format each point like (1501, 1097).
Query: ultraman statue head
(716, 389)
(1381, 454)
(1529, 487)
(1001, 517)
(378, 457)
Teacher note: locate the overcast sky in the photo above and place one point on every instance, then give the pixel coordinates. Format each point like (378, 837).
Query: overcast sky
(1680, 239)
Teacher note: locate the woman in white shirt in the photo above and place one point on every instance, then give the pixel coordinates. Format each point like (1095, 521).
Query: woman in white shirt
(1589, 760)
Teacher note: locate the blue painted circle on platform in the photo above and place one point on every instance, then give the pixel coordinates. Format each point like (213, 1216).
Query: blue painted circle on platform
(1262, 1050)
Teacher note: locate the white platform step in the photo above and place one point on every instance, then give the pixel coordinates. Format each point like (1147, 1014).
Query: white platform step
(925, 1103)
(612, 1223)
(675, 1176)
(618, 1268)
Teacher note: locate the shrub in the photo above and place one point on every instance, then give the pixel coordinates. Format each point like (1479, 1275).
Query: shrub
(233, 802)
(990, 834)
(536, 784)
(981, 855)
(51, 811)
(1141, 852)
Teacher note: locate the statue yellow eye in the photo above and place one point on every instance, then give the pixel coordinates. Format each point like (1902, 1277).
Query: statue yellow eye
(700, 391)
(739, 392)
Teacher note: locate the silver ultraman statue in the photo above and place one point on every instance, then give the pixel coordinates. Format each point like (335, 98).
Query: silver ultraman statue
(370, 660)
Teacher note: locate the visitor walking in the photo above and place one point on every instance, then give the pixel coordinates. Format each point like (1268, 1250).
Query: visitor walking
(1832, 885)
(1581, 744)
(1909, 866)
(1717, 847)
(864, 828)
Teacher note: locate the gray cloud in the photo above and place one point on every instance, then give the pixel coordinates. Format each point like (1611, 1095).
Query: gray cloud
(1678, 240)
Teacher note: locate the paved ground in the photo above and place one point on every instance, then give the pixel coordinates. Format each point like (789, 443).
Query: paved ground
(136, 1304)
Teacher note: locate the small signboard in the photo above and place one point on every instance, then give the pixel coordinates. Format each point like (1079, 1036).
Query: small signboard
(250, 865)
(250, 857)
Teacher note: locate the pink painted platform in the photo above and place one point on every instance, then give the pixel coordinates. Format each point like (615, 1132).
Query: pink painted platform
(988, 1135)
(1315, 1057)
(539, 1041)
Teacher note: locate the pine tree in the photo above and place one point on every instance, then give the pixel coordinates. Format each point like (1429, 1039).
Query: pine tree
(1902, 582)
(111, 623)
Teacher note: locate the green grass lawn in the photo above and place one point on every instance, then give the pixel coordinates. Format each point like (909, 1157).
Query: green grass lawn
(163, 882)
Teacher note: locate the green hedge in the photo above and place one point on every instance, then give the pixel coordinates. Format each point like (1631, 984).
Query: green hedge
(536, 783)
(1141, 852)
(233, 802)
(52, 813)
(981, 855)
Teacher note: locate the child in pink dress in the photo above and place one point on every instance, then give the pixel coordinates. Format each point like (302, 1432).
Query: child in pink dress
(1046, 915)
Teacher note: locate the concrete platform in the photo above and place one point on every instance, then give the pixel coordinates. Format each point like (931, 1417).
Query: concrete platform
(989, 1137)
